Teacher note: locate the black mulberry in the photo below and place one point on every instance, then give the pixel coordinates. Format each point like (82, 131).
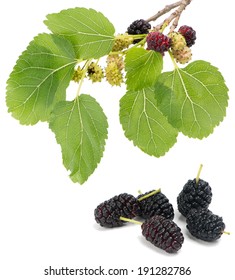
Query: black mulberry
(195, 195)
(163, 233)
(189, 34)
(205, 225)
(157, 204)
(139, 26)
(108, 213)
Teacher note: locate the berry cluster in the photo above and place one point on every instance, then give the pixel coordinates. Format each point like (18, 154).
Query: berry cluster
(94, 72)
(154, 206)
(178, 42)
(193, 202)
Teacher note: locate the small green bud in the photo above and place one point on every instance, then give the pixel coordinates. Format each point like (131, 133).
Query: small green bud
(122, 42)
(118, 59)
(113, 74)
(95, 72)
(77, 75)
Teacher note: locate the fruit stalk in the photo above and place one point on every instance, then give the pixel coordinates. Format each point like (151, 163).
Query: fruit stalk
(130, 220)
(149, 194)
(198, 174)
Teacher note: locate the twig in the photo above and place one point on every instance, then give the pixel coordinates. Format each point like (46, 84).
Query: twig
(175, 16)
(178, 13)
(167, 9)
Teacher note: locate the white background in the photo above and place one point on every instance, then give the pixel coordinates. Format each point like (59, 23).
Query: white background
(48, 220)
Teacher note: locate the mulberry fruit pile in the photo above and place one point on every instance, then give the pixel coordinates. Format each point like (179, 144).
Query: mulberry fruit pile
(157, 204)
(205, 225)
(154, 207)
(108, 213)
(163, 233)
(195, 195)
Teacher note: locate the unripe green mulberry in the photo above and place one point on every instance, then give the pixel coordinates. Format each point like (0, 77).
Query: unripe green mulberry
(113, 74)
(183, 56)
(122, 42)
(178, 41)
(77, 75)
(117, 59)
(95, 72)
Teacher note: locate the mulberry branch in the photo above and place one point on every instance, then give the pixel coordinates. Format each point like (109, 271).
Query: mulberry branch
(174, 17)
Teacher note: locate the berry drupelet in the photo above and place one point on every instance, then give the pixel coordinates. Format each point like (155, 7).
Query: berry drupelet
(178, 41)
(163, 233)
(139, 26)
(205, 225)
(157, 204)
(189, 34)
(158, 42)
(182, 56)
(108, 213)
(195, 195)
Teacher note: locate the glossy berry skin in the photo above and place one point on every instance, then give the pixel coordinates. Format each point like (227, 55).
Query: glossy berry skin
(189, 34)
(139, 26)
(158, 42)
(157, 204)
(205, 225)
(163, 233)
(194, 196)
(107, 213)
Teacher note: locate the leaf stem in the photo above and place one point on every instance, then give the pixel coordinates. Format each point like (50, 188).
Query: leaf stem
(173, 60)
(85, 67)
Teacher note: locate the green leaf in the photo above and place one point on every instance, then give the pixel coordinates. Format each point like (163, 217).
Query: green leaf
(144, 124)
(80, 127)
(90, 32)
(40, 78)
(143, 68)
(194, 98)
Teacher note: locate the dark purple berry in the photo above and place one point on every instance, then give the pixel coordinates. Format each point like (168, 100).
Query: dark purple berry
(157, 204)
(139, 26)
(163, 233)
(195, 195)
(205, 225)
(189, 35)
(108, 213)
(158, 42)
